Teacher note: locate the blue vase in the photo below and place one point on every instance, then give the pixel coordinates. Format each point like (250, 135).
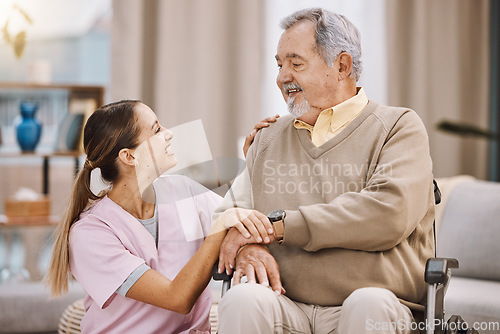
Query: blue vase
(29, 130)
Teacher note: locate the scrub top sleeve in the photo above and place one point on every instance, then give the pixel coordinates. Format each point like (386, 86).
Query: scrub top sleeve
(132, 279)
(99, 261)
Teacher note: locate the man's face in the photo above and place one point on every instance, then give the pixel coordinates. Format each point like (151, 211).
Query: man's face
(305, 80)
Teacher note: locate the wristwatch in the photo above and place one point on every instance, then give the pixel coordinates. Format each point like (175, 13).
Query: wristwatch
(277, 218)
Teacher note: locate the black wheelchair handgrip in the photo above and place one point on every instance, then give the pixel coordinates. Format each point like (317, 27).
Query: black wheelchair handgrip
(436, 269)
(220, 277)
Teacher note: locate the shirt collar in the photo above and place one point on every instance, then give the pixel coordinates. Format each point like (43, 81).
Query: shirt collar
(340, 113)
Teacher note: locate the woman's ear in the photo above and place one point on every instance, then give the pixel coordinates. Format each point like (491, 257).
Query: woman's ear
(126, 157)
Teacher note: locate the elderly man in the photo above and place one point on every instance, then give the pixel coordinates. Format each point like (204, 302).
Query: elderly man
(347, 184)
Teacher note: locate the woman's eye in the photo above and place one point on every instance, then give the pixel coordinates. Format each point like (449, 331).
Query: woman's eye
(157, 130)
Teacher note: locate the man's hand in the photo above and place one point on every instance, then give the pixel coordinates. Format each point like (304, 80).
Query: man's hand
(233, 241)
(256, 263)
(262, 124)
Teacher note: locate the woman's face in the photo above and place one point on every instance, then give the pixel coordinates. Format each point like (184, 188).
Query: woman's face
(154, 154)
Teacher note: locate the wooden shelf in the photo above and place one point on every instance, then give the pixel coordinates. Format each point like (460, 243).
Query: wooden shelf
(76, 91)
(39, 154)
(46, 156)
(27, 85)
(13, 222)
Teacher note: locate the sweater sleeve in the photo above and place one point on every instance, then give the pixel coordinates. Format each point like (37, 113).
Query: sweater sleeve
(386, 211)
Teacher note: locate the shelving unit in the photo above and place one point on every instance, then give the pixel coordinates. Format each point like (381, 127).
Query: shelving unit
(55, 101)
(64, 94)
(75, 91)
(46, 163)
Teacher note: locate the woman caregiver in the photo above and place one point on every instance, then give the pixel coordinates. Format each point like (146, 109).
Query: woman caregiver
(144, 250)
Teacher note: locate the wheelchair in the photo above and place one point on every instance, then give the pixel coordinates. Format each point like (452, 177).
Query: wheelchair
(437, 276)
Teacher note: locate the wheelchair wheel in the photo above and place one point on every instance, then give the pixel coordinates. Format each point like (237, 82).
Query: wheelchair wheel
(457, 325)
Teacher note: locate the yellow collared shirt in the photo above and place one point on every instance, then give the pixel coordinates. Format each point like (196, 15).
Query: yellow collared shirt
(332, 120)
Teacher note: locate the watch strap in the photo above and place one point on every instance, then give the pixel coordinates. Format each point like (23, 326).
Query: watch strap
(277, 218)
(279, 229)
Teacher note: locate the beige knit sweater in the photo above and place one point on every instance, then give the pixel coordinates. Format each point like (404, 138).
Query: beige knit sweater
(359, 208)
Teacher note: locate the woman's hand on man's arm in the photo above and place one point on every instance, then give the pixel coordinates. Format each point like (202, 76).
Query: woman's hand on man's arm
(249, 223)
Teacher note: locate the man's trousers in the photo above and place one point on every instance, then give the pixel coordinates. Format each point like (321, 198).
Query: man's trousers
(254, 309)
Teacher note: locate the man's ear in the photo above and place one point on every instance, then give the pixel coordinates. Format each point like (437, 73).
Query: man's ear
(126, 156)
(345, 65)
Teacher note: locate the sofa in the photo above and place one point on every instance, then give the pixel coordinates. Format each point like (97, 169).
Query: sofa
(468, 229)
(26, 305)
(28, 308)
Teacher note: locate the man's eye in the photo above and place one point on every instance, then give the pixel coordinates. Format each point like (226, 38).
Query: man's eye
(280, 66)
(296, 65)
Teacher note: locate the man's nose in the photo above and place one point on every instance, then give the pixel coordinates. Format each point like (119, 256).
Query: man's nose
(283, 77)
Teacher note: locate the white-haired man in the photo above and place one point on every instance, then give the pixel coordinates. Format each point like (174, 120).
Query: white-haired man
(347, 184)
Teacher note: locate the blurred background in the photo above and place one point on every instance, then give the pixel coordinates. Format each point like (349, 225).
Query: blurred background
(213, 61)
(210, 64)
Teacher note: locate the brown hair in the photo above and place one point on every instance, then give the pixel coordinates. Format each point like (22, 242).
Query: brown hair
(108, 130)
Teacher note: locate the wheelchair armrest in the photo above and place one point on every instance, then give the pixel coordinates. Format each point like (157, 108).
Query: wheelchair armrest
(437, 275)
(436, 269)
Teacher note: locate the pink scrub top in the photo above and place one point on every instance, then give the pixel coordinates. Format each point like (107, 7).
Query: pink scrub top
(107, 244)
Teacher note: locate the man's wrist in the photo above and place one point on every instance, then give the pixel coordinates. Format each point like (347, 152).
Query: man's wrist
(241, 248)
(277, 218)
(252, 246)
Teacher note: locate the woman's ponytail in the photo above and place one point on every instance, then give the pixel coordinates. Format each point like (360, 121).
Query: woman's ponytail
(81, 197)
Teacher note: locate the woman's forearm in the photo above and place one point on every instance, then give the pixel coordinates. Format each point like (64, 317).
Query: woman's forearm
(182, 293)
(196, 274)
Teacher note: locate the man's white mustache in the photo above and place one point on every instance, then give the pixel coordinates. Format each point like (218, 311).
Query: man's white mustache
(291, 86)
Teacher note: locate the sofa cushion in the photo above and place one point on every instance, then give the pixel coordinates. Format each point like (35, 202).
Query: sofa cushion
(27, 307)
(470, 229)
(476, 301)
(446, 186)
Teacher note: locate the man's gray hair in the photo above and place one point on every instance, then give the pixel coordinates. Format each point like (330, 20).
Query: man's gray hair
(334, 34)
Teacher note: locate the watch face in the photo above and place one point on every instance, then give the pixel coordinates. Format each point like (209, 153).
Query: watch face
(276, 215)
